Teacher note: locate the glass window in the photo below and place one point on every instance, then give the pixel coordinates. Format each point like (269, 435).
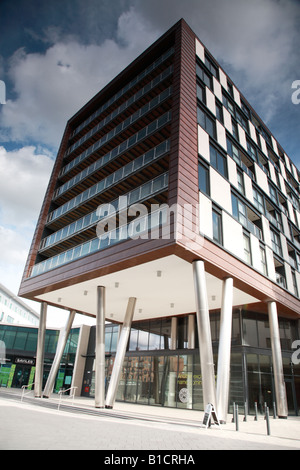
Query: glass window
(252, 151)
(295, 287)
(155, 335)
(217, 226)
(250, 334)
(242, 121)
(165, 333)
(258, 200)
(247, 249)
(201, 93)
(218, 161)
(206, 123)
(239, 210)
(203, 175)
(133, 341)
(204, 76)
(20, 340)
(263, 261)
(240, 180)
(228, 105)
(219, 113)
(276, 244)
(9, 338)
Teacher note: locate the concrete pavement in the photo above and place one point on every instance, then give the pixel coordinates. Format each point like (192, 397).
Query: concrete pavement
(131, 427)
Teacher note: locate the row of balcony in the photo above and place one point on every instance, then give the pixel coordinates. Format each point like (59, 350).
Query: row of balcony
(118, 129)
(135, 228)
(124, 90)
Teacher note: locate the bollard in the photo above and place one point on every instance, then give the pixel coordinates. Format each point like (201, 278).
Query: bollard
(246, 412)
(237, 417)
(274, 410)
(268, 421)
(256, 414)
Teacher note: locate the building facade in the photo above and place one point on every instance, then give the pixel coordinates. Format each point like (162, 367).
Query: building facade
(18, 356)
(171, 196)
(14, 310)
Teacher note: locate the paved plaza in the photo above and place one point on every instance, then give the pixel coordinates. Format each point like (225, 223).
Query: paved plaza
(36, 425)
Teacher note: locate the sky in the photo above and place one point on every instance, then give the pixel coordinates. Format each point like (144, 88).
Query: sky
(56, 55)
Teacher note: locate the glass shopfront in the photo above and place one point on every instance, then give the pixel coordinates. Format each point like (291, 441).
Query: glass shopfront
(18, 367)
(153, 374)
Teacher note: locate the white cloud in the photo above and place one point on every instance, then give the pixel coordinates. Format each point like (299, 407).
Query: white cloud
(256, 41)
(24, 178)
(51, 87)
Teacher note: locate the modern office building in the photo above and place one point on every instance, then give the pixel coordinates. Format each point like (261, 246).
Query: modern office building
(14, 310)
(172, 205)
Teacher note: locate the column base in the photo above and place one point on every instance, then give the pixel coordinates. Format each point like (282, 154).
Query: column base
(100, 407)
(282, 417)
(109, 407)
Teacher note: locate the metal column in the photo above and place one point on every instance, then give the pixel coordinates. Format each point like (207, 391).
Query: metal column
(223, 372)
(280, 390)
(191, 331)
(120, 354)
(204, 334)
(174, 325)
(100, 349)
(40, 352)
(62, 341)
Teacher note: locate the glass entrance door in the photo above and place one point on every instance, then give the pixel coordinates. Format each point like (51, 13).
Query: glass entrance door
(291, 397)
(21, 376)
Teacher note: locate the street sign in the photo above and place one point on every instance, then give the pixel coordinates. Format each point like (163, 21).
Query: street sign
(209, 414)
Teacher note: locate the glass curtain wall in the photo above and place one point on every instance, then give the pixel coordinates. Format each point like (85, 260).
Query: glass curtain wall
(153, 374)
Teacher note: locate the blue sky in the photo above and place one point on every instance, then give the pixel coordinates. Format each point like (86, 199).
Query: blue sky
(55, 55)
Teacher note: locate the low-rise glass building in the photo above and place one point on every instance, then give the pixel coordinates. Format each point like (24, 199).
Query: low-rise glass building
(18, 358)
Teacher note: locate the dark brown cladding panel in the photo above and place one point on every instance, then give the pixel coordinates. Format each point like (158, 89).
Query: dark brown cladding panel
(45, 206)
(183, 185)
(121, 256)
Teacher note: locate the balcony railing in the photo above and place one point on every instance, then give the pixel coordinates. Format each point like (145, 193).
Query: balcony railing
(280, 279)
(137, 96)
(118, 129)
(136, 195)
(132, 230)
(125, 89)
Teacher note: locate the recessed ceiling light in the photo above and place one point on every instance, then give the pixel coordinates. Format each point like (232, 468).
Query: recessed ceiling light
(158, 273)
(116, 285)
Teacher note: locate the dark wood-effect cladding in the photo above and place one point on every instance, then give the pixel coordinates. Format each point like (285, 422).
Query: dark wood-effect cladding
(183, 190)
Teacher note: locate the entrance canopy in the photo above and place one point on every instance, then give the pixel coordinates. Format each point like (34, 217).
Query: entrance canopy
(164, 287)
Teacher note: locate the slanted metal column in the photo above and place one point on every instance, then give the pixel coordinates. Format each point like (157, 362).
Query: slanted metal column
(204, 334)
(62, 341)
(120, 354)
(100, 349)
(40, 352)
(223, 371)
(280, 390)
